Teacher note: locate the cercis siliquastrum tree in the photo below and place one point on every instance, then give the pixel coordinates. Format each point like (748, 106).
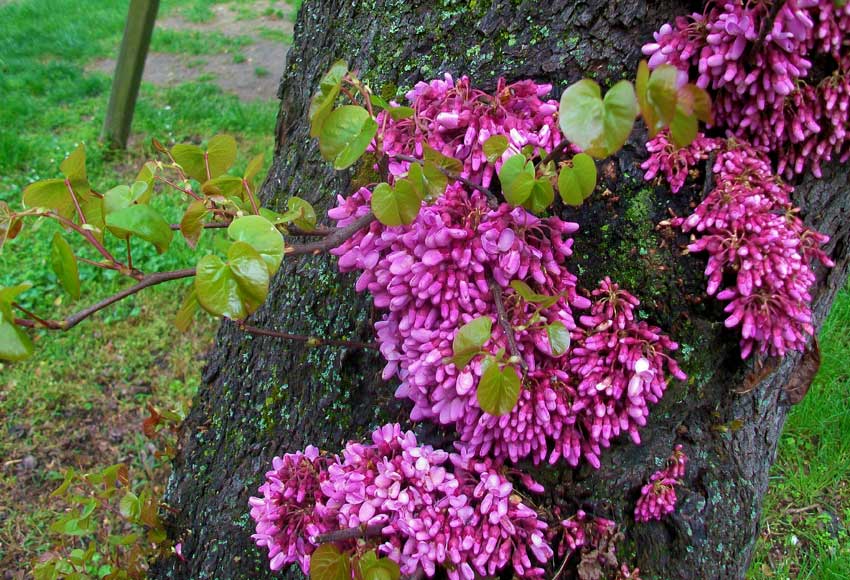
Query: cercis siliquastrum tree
(484, 326)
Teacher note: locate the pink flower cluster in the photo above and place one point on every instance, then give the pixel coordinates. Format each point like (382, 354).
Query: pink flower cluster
(759, 79)
(581, 530)
(456, 120)
(430, 508)
(658, 497)
(434, 276)
(750, 228)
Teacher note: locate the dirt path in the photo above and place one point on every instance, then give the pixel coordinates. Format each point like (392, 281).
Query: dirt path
(250, 71)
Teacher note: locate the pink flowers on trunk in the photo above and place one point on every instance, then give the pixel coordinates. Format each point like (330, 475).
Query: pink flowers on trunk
(658, 496)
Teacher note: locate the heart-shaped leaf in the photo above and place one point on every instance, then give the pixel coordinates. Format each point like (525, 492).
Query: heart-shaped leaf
(576, 183)
(51, 194)
(233, 289)
(74, 170)
(469, 340)
(374, 568)
(221, 154)
(395, 206)
(186, 314)
(494, 147)
(327, 563)
(683, 128)
(260, 234)
(498, 389)
(192, 223)
(662, 92)
(64, 264)
(205, 165)
(123, 196)
(598, 126)
(141, 221)
(559, 337)
(541, 196)
(226, 185)
(346, 134)
(305, 215)
(191, 159)
(15, 345)
(517, 178)
(323, 101)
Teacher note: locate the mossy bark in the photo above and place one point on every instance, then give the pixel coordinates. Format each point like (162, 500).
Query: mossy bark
(262, 397)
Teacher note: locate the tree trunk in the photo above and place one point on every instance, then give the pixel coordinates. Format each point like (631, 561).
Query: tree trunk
(263, 397)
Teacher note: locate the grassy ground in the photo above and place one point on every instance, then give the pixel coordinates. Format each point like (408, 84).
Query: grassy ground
(80, 401)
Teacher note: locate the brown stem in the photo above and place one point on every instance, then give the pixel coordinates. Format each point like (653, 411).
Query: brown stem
(129, 254)
(251, 196)
(38, 319)
(88, 236)
(496, 291)
(372, 531)
(491, 197)
(210, 225)
(188, 192)
(555, 154)
(332, 240)
(76, 201)
(310, 340)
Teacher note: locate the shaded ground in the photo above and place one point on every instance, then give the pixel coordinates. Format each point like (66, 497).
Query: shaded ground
(247, 66)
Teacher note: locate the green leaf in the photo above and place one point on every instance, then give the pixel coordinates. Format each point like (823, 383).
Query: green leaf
(559, 338)
(305, 214)
(494, 147)
(585, 172)
(434, 180)
(191, 159)
(440, 160)
(221, 153)
(498, 389)
(64, 264)
(186, 314)
(695, 101)
(399, 113)
(236, 288)
(529, 295)
(123, 196)
(129, 506)
(395, 206)
(15, 345)
(51, 194)
(598, 126)
(327, 563)
(683, 129)
(260, 234)
(541, 196)
(147, 173)
(253, 168)
(141, 221)
(192, 222)
(374, 568)
(469, 340)
(74, 170)
(517, 178)
(661, 92)
(346, 134)
(323, 101)
(225, 185)
(68, 478)
(653, 124)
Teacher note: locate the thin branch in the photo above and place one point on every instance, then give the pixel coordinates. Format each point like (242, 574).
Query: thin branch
(78, 317)
(209, 225)
(33, 316)
(496, 291)
(332, 240)
(555, 154)
(88, 236)
(188, 192)
(76, 201)
(491, 197)
(310, 340)
(372, 531)
(251, 196)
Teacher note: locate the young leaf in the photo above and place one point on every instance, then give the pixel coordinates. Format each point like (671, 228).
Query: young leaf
(517, 178)
(192, 222)
(584, 168)
(260, 234)
(221, 153)
(398, 112)
(346, 134)
(559, 338)
(323, 101)
(598, 126)
(541, 196)
(494, 147)
(434, 180)
(186, 314)
(15, 345)
(440, 160)
(225, 185)
(469, 340)
(327, 563)
(529, 295)
(147, 173)
(141, 221)
(123, 196)
(129, 506)
(694, 101)
(374, 568)
(191, 159)
(64, 264)
(498, 389)
(661, 92)
(51, 194)
(396, 206)
(10, 226)
(233, 289)
(253, 168)
(683, 128)
(305, 214)
(74, 170)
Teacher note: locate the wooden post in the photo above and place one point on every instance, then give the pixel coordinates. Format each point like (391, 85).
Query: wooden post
(128, 71)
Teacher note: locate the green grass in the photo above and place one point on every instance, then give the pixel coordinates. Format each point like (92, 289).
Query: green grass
(81, 400)
(807, 511)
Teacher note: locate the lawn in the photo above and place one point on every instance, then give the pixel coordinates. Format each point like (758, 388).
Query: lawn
(80, 401)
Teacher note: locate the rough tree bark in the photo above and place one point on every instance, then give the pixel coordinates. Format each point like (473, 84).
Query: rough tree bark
(263, 397)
